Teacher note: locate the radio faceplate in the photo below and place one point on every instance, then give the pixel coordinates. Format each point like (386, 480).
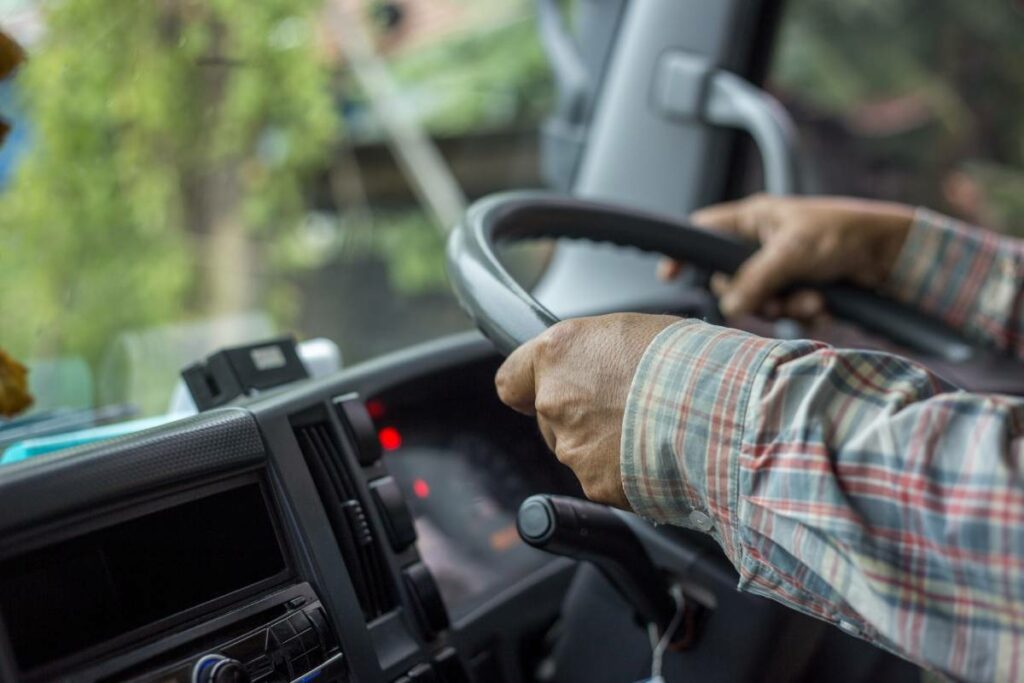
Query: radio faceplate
(284, 637)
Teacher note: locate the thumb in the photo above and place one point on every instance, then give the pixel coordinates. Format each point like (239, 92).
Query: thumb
(515, 380)
(770, 270)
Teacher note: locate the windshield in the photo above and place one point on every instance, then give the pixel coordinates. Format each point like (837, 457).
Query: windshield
(181, 176)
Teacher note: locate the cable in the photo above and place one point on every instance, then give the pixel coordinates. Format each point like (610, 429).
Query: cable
(659, 646)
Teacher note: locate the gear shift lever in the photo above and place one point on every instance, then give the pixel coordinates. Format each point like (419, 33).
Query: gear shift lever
(587, 531)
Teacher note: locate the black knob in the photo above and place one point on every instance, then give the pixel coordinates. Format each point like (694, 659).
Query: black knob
(597, 534)
(535, 520)
(219, 669)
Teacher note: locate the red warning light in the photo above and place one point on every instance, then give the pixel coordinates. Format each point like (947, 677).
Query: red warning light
(375, 408)
(390, 439)
(421, 488)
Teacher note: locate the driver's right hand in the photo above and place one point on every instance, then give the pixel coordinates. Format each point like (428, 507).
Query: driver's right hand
(802, 240)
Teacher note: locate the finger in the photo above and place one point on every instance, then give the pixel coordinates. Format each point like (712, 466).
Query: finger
(516, 379)
(742, 217)
(720, 284)
(669, 269)
(805, 304)
(724, 216)
(760, 278)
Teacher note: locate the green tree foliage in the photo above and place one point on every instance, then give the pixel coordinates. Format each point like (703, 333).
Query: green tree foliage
(165, 135)
(492, 79)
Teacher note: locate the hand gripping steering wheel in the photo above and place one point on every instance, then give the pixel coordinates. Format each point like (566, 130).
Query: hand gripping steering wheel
(509, 316)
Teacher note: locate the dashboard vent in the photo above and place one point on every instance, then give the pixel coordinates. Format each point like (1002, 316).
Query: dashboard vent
(337, 489)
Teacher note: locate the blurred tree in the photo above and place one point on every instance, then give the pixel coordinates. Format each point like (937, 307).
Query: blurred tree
(499, 78)
(487, 80)
(171, 139)
(929, 95)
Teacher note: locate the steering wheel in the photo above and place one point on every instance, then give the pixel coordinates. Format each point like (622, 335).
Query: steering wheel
(509, 316)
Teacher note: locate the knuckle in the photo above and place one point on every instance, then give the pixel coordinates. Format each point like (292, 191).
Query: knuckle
(501, 381)
(548, 405)
(558, 337)
(565, 456)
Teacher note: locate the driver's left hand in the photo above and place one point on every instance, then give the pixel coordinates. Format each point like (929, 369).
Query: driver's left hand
(575, 378)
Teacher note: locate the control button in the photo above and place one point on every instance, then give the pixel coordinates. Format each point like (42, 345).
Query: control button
(534, 519)
(260, 666)
(449, 667)
(299, 622)
(392, 507)
(309, 641)
(297, 602)
(282, 632)
(360, 426)
(294, 649)
(426, 598)
(219, 669)
(422, 673)
(402, 679)
(319, 619)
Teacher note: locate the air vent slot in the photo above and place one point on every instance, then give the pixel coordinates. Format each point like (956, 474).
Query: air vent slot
(337, 489)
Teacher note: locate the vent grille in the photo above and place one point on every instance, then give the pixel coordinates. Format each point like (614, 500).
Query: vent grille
(348, 519)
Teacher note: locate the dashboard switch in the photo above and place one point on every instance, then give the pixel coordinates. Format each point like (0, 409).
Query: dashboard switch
(322, 627)
(426, 598)
(397, 518)
(360, 426)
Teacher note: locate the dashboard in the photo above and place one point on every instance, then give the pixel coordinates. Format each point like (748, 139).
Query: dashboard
(355, 528)
(464, 463)
(359, 528)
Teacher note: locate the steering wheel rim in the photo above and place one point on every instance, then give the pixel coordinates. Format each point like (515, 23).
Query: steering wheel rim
(509, 316)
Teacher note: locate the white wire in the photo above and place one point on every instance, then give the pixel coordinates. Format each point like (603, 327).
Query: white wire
(658, 647)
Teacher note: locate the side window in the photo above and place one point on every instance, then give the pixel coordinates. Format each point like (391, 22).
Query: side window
(918, 101)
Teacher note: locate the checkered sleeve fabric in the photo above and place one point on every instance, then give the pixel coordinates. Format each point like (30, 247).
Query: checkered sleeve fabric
(972, 279)
(853, 486)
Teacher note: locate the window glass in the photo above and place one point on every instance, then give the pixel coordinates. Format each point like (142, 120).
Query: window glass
(918, 101)
(186, 175)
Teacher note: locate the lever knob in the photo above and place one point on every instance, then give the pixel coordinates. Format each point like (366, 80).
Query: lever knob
(598, 534)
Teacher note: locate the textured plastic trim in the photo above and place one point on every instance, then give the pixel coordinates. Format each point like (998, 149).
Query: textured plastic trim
(42, 488)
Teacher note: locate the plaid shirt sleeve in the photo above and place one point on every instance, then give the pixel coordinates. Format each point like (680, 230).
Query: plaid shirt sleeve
(972, 279)
(854, 486)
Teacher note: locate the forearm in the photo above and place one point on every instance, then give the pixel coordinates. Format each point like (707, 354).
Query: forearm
(972, 279)
(844, 484)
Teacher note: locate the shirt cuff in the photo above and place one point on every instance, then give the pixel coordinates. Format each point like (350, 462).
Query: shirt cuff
(683, 427)
(943, 267)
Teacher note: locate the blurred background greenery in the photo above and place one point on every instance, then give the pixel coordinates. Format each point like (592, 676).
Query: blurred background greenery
(189, 174)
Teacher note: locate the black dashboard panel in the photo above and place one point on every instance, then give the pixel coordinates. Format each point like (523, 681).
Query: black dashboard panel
(68, 481)
(135, 572)
(272, 538)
